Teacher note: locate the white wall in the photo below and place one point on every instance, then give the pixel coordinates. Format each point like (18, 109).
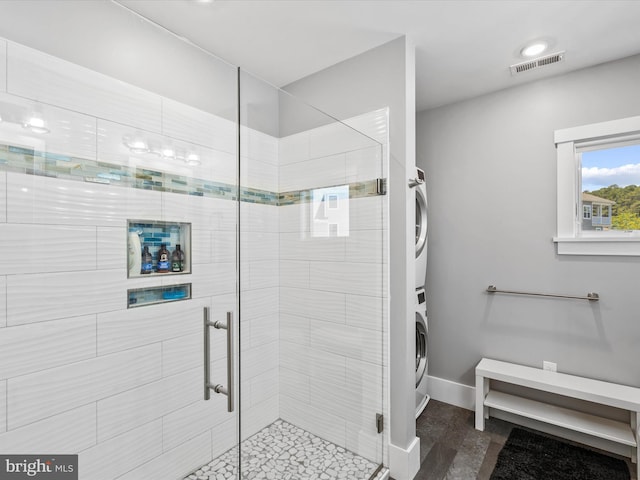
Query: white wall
(490, 164)
(384, 77)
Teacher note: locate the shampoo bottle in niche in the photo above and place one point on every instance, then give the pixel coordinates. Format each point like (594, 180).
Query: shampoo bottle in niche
(163, 259)
(177, 260)
(147, 261)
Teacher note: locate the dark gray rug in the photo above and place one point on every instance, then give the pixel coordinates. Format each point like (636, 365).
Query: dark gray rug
(529, 456)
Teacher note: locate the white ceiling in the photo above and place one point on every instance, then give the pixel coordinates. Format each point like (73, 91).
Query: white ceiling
(463, 47)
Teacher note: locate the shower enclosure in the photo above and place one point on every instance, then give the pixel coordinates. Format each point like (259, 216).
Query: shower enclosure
(259, 351)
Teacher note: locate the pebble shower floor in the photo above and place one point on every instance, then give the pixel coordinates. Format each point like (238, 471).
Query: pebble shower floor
(285, 452)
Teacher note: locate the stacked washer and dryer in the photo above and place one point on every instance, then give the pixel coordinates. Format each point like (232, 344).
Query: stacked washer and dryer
(422, 329)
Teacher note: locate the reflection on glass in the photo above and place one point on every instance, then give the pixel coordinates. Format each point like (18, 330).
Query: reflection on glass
(330, 211)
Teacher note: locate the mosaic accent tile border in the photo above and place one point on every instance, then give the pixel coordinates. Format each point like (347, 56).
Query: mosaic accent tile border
(285, 452)
(34, 162)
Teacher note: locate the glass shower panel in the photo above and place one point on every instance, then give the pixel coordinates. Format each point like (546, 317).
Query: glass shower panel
(312, 296)
(101, 346)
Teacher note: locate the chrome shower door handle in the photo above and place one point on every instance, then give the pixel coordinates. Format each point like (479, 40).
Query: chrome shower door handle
(208, 386)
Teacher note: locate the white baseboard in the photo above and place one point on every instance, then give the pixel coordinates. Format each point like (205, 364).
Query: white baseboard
(404, 464)
(452, 393)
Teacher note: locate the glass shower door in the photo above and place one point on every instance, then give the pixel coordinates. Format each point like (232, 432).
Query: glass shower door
(312, 296)
(101, 344)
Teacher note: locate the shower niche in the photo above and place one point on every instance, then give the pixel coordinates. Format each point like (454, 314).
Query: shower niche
(158, 248)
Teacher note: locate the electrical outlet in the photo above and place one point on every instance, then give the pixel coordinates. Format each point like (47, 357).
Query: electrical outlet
(549, 366)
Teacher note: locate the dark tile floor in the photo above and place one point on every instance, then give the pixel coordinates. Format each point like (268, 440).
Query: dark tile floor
(452, 449)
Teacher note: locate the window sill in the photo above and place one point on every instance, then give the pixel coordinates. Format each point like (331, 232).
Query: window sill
(622, 246)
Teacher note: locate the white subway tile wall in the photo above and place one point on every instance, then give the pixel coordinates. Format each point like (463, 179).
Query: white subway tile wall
(332, 291)
(67, 433)
(126, 384)
(114, 378)
(3, 65)
(3, 406)
(3, 197)
(174, 462)
(47, 79)
(39, 346)
(131, 449)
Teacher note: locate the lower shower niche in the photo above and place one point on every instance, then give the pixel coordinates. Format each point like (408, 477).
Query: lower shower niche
(138, 297)
(285, 452)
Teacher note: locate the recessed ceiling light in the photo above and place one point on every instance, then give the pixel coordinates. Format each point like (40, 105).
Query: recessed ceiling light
(533, 49)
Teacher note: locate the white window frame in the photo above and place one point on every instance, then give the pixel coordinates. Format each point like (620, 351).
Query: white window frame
(586, 212)
(569, 238)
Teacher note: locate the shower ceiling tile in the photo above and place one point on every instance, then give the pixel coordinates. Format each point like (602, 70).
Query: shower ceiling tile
(38, 346)
(79, 383)
(131, 449)
(65, 433)
(36, 75)
(175, 462)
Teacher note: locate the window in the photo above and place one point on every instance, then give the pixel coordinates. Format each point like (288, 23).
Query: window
(599, 176)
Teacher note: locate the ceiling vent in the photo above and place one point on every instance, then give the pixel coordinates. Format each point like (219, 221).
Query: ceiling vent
(537, 63)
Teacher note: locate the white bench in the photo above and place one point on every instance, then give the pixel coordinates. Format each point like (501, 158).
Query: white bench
(605, 393)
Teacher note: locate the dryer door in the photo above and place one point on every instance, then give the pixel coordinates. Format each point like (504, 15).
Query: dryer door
(421, 348)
